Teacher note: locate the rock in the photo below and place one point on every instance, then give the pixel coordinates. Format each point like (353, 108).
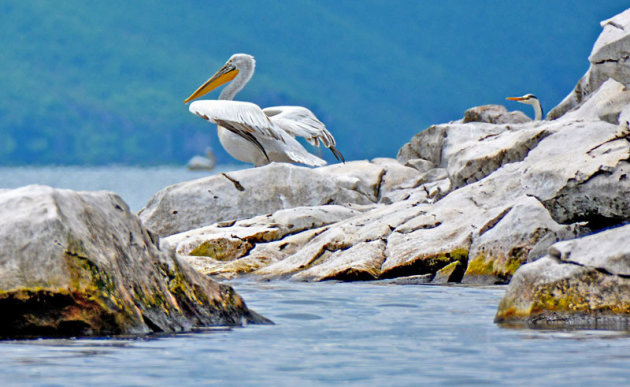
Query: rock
(510, 214)
(465, 201)
(358, 263)
(420, 165)
(257, 191)
(334, 242)
(217, 249)
(411, 280)
(582, 283)
(609, 59)
(472, 151)
(520, 233)
(610, 55)
(605, 104)
(508, 206)
(607, 251)
(453, 272)
(80, 263)
(494, 114)
(426, 145)
(247, 193)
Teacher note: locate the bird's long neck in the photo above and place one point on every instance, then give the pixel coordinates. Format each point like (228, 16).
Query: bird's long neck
(538, 110)
(245, 73)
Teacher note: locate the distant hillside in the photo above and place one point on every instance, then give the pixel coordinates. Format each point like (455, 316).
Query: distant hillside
(104, 82)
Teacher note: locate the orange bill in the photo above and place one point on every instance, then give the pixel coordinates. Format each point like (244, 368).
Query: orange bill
(223, 76)
(515, 98)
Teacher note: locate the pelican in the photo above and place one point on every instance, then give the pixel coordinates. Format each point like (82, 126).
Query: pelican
(530, 99)
(254, 135)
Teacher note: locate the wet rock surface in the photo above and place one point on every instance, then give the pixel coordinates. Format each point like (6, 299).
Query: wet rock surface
(80, 263)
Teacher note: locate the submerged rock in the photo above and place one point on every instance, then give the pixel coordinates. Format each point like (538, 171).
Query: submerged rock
(80, 263)
(581, 283)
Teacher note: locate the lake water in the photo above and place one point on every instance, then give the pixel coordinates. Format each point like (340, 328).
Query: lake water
(324, 333)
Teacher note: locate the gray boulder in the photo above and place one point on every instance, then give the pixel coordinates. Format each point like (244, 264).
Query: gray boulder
(469, 152)
(581, 283)
(80, 263)
(520, 233)
(494, 114)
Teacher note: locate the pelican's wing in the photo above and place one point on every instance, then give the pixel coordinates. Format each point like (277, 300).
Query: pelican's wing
(299, 121)
(239, 117)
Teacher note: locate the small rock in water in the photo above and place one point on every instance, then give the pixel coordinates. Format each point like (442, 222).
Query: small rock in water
(421, 279)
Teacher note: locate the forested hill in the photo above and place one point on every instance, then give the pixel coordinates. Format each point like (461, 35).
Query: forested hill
(104, 82)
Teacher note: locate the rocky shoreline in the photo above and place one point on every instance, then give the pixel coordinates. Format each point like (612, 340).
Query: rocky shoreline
(493, 198)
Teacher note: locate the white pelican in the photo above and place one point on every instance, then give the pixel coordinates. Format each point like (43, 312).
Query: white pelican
(530, 99)
(255, 135)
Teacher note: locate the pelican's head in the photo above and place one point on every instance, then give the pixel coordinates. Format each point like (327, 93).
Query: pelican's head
(529, 99)
(238, 63)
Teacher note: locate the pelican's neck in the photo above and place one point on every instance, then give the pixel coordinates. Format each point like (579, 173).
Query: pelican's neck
(538, 110)
(245, 72)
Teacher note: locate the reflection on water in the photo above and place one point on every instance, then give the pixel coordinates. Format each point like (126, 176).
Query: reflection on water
(360, 333)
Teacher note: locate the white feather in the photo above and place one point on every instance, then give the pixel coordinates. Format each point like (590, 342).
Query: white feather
(251, 134)
(300, 121)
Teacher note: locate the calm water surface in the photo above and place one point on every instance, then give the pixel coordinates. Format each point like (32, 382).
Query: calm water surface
(326, 333)
(136, 185)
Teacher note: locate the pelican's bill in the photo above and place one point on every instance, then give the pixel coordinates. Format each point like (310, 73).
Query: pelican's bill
(223, 76)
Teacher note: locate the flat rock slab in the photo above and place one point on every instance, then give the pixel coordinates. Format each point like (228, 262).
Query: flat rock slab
(80, 263)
